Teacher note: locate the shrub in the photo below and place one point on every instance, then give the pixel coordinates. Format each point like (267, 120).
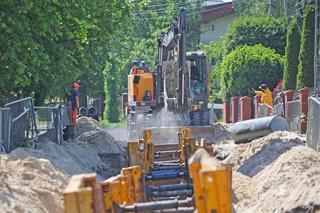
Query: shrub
(249, 66)
(292, 56)
(306, 54)
(268, 31)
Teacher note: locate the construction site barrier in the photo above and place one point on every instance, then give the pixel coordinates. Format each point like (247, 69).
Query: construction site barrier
(132, 189)
(125, 192)
(21, 122)
(313, 127)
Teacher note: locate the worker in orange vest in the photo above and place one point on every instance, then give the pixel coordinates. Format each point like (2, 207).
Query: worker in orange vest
(74, 101)
(134, 67)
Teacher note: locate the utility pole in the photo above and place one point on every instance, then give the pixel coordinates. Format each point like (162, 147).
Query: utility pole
(285, 6)
(269, 7)
(317, 50)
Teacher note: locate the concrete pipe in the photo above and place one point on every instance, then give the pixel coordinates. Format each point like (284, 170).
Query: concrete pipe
(92, 112)
(83, 111)
(255, 128)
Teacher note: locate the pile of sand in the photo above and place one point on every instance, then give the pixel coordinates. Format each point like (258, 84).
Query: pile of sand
(276, 173)
(32, 179)
(86, 124)
(30, 185)
(95, 150)
(251, 158)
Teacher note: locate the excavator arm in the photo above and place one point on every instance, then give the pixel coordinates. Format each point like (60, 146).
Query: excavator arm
(172, 62)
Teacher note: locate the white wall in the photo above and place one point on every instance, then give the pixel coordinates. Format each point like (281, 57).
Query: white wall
(220, 27)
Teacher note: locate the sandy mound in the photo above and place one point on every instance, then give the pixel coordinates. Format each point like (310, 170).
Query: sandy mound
(86, 124)
(251, 158)
(93, 151)
(30, 185)
(289, 184)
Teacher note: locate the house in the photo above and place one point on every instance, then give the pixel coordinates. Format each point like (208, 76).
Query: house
(215, 20)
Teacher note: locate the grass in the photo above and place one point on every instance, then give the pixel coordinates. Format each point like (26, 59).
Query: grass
(121, 124)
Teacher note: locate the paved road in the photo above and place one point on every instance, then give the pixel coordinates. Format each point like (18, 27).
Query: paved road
(119, 134)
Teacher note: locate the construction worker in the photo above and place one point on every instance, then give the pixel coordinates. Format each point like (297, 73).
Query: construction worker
(265, 94)
(144, 67)
(75, 103)
(134, 67)
(194, 71)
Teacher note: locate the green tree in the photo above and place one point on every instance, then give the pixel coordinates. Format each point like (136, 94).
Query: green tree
(306, 54)
(292, 56)
(247, 67)
(112, 105)
(270, 32)
(261, 7)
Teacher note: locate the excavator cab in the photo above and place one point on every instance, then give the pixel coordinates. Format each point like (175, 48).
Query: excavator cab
(199, 84)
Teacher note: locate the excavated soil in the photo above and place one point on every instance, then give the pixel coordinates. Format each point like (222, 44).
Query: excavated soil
(32, 179)
(30, 185)
(276, 173)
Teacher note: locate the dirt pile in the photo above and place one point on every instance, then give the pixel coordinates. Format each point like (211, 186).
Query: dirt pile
(95, 150)
(251, 158)
(30, 185)
(86, 124)
(276, 173)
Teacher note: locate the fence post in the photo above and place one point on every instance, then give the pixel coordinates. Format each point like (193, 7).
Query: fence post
(257, 101)
(234, 110)
(246, 108)
(226, 111)
(288, 96)
(304, 94)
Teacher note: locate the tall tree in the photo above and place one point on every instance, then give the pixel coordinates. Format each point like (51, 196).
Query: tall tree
(306, 54)
(292, 56)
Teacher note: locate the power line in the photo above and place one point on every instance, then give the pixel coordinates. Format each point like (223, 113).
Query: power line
(203, 11)
(164, 9)
(174, 3)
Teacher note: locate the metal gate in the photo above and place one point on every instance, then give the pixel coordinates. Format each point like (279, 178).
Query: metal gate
(313, 127)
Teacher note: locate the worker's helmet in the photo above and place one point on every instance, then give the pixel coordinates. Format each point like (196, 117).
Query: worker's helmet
(263, 86)
(76, 85)
(134, 62)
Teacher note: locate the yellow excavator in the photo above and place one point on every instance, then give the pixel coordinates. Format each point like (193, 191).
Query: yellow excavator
(176, 93)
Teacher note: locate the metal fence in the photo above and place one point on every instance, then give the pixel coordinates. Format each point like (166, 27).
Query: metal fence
(313, 127)
(292, 113)
(264, 110)
(278, 109)
(21, 121)
(50, 121)
(22, 124)
(5, 129)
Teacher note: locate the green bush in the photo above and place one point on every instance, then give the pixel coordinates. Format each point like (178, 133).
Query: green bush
(270, 32)
(249, 66)
(306, 55)
(292, 56)
(110, 83)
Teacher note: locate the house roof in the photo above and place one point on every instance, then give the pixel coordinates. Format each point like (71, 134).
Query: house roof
(215, 11)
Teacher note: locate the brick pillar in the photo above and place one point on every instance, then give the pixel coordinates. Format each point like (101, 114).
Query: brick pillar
(234, 110)
(246, 108)
(304, 94)
(226, 111)
(257, 101)
(288, 96)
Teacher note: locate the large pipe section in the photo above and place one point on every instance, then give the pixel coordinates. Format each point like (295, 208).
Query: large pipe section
(255, 128)
(157, 205)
